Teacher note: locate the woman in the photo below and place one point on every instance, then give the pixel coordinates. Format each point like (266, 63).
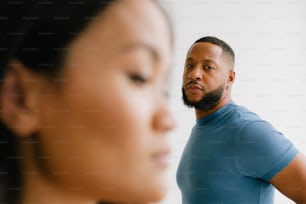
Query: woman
(83, 106)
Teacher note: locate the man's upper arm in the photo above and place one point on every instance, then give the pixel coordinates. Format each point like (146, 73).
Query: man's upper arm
(291, 180)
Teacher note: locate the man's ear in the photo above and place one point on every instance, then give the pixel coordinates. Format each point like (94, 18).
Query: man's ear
(19, 96)
(231, 78)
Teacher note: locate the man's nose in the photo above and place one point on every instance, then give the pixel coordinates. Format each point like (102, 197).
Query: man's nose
(196, 73)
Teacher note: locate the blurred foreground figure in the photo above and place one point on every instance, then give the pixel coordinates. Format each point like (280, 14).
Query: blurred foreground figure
(83, 109)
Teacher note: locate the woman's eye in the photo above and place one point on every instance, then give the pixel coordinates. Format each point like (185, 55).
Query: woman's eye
(137, 78)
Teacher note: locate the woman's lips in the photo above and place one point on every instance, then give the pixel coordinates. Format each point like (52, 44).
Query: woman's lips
(162, 158)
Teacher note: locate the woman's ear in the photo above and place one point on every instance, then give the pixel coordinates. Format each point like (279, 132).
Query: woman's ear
(19, 96)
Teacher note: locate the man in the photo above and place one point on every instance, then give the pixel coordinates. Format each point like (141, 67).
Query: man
(232, 156)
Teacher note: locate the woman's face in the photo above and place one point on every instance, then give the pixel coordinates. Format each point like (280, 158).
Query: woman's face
(103, 128)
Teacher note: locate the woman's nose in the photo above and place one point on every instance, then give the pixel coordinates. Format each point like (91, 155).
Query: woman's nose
(164, 119)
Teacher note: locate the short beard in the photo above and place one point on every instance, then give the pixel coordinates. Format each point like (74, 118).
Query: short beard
(208, 102)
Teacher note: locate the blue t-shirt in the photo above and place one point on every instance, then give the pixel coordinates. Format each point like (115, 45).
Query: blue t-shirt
(230, 157)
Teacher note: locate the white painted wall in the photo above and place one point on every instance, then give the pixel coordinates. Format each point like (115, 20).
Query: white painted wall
(269, 38)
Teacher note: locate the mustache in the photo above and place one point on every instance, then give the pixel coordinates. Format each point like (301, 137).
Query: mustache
(193, 83)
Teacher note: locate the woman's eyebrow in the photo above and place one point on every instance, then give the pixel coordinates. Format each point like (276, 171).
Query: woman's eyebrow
(146, 47)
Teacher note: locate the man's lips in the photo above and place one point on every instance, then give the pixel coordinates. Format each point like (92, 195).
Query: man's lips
(192, 86)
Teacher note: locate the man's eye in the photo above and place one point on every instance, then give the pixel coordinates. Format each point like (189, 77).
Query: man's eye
(137, 78)
(188, 66)
(207, 67)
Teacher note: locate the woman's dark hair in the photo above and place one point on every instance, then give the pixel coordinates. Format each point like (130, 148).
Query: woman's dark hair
(37, 33)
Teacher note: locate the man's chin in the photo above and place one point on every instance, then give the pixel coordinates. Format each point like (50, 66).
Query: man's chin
(190, 104)
(193, 100)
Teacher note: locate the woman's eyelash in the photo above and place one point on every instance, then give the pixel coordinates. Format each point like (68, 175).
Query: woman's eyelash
(137, 78)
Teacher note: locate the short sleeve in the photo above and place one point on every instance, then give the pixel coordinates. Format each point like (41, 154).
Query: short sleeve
(261, 151)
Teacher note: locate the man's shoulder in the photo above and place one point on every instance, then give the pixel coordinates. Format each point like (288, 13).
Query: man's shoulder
(240, 114)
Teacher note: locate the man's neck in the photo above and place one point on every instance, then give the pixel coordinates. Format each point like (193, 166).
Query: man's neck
(203, 113)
